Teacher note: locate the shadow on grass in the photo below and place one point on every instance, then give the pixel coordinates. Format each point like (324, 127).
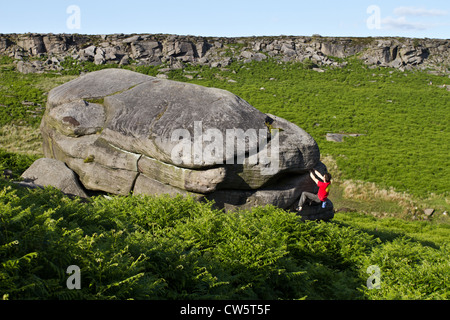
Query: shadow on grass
(388, 236)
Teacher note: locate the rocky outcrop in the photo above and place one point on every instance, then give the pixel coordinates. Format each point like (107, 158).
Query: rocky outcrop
(123, 132)
(396, 54)
(176, 51)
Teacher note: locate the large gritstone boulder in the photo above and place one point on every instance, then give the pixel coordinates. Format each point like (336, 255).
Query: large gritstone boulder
(124, 132)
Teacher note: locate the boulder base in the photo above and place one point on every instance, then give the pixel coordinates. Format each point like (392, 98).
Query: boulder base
(50, 172)
(316, 212)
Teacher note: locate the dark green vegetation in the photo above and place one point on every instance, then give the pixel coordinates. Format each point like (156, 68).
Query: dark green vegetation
(164, 248)
(15, 162)
(176, 248)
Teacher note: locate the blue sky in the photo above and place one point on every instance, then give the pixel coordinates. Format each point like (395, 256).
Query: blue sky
(230, 18)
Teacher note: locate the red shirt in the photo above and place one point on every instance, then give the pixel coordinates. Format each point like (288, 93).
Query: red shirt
(323, 190)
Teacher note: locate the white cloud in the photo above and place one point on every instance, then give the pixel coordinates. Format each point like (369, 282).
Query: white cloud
(414, 11)
(402, 23)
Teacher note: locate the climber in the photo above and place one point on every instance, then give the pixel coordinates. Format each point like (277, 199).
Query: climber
(322, 194)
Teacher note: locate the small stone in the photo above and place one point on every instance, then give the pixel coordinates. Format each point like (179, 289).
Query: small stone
(50, 172)
(8, 174)
(335, 137)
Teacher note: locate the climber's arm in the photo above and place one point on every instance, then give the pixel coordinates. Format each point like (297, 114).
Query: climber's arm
(311, 174)
(319, 175)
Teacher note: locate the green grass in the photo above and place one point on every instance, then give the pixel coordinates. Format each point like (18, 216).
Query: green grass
(23, 96)
(21, 139)
(15, 162)
(405, 121)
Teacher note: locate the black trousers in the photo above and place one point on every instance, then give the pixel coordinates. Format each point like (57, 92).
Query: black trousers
(308, 196)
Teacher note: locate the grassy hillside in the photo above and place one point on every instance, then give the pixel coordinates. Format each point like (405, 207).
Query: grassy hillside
(144, 247)
(403, 116)
(404, 120)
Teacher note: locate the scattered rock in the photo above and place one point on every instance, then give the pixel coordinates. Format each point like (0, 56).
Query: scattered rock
(50, 172)
(339, 137)
(90, 51)
(125, 60)
(7, 174)
(428, 212)
(335, 137)
(162, 76)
